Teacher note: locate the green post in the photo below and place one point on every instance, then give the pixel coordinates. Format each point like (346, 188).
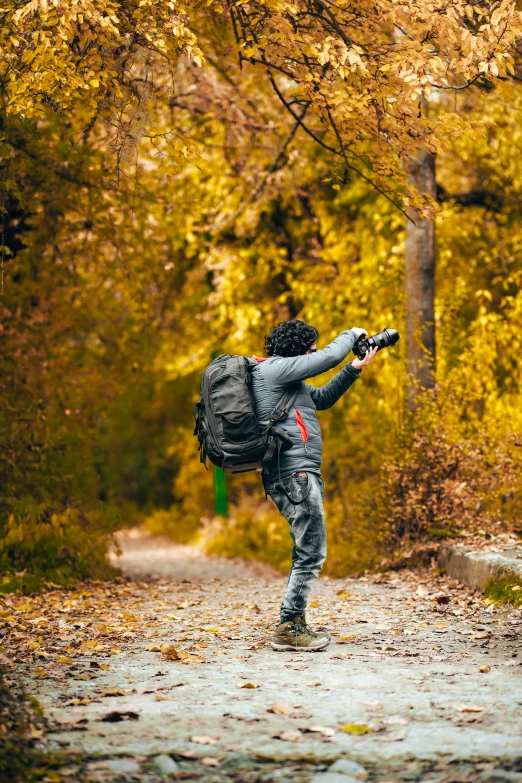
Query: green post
(220, 493)
(220, 482)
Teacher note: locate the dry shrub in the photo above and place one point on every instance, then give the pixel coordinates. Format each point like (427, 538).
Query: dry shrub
(443, 484)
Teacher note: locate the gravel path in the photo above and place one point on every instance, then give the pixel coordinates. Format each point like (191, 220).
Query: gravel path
(422, 680)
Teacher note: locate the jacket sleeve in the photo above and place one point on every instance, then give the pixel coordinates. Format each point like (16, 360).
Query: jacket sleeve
(327, 395)
(291, 369)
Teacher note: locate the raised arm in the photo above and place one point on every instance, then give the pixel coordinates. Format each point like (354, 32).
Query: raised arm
(290, 369)
(327, 395)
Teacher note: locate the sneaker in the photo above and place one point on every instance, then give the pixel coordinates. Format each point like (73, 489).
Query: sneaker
(297, 635)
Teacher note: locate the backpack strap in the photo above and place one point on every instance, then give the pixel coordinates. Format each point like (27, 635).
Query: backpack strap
(276, 440)
(284, 405)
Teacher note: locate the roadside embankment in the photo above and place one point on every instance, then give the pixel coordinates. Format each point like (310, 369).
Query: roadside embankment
(478, 568)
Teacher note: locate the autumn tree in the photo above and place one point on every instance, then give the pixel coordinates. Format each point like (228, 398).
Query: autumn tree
(176, 178)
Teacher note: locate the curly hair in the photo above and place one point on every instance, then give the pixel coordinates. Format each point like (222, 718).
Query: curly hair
(290, 338)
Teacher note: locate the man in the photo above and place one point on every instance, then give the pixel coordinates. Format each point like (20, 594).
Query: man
(293, 357)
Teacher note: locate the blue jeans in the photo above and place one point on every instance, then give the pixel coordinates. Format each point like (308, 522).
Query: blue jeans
(308, 532)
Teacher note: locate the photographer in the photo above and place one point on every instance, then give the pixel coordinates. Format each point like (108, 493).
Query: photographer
(295, 484)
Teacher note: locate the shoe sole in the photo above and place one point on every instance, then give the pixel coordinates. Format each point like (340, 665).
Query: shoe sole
(296, 648)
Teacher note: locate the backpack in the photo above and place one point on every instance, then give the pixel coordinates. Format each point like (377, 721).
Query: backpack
(226, 422)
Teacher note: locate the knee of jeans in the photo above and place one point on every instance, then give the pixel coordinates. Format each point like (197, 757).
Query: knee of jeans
(321, 557)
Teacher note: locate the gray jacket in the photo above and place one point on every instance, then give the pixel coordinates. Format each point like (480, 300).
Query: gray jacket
(271, 377)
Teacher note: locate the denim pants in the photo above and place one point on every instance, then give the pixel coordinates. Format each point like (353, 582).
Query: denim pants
(308, 532)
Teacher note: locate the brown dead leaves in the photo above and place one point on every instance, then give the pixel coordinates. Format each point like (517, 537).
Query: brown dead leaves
(171, 653)
(63, 626)
(467, 707)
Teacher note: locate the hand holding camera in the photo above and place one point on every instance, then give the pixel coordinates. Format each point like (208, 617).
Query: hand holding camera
(358, 364)
(365, 347)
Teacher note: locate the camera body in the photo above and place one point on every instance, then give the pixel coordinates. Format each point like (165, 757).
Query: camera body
(380, 340)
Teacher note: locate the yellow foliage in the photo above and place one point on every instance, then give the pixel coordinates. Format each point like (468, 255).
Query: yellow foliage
(156, 211)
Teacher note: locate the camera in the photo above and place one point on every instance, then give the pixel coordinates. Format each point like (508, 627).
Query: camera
(381, 340)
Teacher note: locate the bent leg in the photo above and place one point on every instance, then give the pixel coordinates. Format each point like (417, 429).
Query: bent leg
(308, 532)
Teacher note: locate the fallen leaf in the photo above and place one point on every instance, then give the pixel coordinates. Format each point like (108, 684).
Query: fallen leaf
(356, 728)
(116, 716)
(279, 709)
(171, 653)
(210, 761)
(288, 736)
(113, 692)
(202, 740)
(153, 648)
(345, 638)
(373, 706)
(484, 669)
(247, 685)
(326, 731)
(467, 707)
(313, 684)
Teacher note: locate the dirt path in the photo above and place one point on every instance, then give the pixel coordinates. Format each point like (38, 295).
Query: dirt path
(400, 690)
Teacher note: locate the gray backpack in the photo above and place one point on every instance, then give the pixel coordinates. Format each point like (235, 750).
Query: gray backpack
(226, 422)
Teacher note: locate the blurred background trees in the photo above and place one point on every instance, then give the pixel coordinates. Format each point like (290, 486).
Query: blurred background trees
(176, 180)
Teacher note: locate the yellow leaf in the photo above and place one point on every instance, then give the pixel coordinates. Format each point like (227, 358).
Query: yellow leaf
(279, 709)
(94, 82)
(356, 728)
(247, 685)
(336, 187)
(171, 653)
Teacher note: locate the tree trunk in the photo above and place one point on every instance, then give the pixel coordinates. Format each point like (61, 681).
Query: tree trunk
(420, 280)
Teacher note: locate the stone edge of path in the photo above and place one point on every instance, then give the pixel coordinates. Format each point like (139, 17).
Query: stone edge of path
(475, 568)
